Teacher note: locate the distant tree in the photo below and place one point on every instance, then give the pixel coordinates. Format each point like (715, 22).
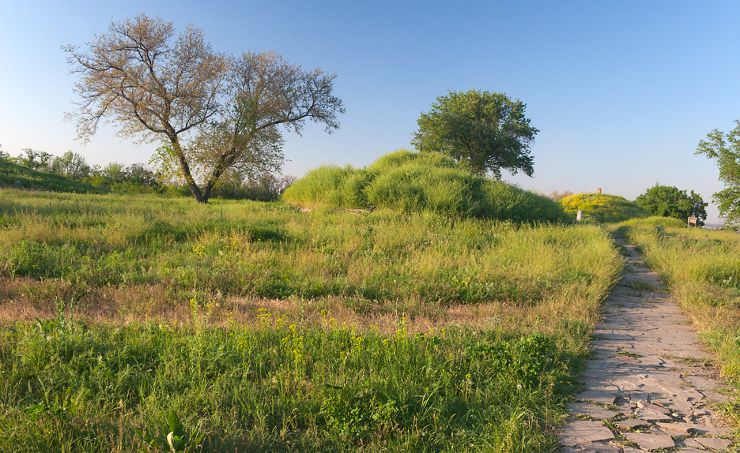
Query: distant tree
(3, 154)
(725, 149)
(114, 172)
(669, 201)
(486, 130)
(35, 160)
(557, 196)
(70, 164)
(211, 112)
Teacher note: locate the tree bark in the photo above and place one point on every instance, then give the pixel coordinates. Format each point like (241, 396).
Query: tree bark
(185, 168)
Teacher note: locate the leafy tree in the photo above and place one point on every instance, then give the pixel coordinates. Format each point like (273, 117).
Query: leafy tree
(725, 149)
(211, 112)
(486, 130)
(669, 201)
(35, 160)
(70, 164)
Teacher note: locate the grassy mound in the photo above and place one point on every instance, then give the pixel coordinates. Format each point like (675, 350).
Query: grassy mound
(601, 208)
(416, 182)
(20, 177)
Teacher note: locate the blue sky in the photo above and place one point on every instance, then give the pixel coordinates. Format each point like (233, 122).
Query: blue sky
(621, 91)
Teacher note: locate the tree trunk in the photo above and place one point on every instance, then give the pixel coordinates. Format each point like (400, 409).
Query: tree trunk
(185, 168)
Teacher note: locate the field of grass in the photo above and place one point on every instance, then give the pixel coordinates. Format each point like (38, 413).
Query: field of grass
(702, 268)
(126, 320)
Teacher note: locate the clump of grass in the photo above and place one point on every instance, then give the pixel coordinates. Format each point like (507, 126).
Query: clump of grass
(601, 208)
(416, 182)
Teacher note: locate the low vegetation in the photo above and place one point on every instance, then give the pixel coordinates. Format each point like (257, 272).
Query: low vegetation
(129, 323)
(601, 208)
(21, 177)
(417, 182)
(703, 270)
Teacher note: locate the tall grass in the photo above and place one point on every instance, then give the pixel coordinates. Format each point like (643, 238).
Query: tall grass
(703, 270)
(421, 182)
(285, 343)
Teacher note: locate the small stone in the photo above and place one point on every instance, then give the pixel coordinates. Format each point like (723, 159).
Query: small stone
(714, 443)
(651, 441)
(580, 432)
(692, 443)
(591, 410)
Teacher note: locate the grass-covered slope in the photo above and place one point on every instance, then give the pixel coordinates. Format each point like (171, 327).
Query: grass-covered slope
(601, 208)
(20, 177)
(257, 327)
(702, 268)
(415, 182)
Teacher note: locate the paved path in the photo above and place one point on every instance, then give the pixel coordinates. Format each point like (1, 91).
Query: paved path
(648, 385)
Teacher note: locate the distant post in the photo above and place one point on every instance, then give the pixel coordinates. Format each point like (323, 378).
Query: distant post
(579, 215)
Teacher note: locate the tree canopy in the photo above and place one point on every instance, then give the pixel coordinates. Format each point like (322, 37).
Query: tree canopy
(725, 149)
(669, 201)
(485, 130)
(212, 112)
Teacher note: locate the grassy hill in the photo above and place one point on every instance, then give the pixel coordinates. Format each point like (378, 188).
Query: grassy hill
(20, 177)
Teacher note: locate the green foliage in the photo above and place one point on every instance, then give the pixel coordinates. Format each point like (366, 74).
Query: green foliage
(21, 177)
(669, 201)
(485, 130)
(417, 182)
(68, 386)
(725, 149)
(601, 208)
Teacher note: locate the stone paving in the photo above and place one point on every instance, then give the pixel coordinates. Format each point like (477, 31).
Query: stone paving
(649, 385)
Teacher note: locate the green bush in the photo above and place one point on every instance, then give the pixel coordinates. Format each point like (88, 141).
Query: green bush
(414, 182)
(601, 208)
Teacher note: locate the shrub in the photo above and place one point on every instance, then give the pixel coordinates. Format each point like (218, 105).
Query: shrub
(601, 208)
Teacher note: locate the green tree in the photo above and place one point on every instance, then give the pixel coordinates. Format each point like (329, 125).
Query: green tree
(669, 201)
(486, 130)
(725, 149)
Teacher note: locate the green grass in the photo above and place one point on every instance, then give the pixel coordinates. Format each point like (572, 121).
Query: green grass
(260, 327)
(413, 182)
(18, 176)
(702, 268)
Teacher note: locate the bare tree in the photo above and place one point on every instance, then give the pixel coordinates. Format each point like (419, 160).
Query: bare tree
(211, 111)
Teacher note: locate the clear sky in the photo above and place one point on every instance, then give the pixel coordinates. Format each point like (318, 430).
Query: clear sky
(621, 91)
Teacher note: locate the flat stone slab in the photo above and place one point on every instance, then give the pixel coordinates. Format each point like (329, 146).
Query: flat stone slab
(580, 432)
(714, 443)
(591, 410)
(650, 441)
(632, 423)
(648, 368)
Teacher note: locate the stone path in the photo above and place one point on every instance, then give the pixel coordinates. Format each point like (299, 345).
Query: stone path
(649, 385)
